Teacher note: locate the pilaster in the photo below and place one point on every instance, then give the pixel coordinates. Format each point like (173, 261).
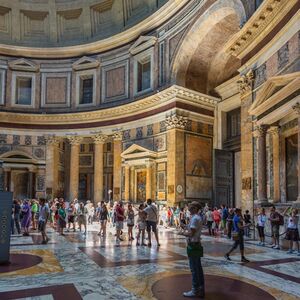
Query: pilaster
(296, 108)
(117, 169)
(127, 183)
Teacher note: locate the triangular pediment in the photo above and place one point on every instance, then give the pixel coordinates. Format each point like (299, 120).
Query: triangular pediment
(136, 151)
(274, 91)
(85, 63)
(23, 64)
(142, 43)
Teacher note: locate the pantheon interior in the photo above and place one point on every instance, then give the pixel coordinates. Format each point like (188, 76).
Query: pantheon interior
(173, 100)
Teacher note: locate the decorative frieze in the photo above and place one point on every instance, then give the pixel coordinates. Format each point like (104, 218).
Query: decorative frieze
(246, 83)
(176, 121)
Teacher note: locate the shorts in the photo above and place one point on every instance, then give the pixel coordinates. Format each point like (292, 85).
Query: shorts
(71, 219)
(81, 220)
(275, 231)
(223, 224)
(61, 223)
(141, 225)
(119, 225)
(151, 225)
(292, 235)
(42, 226)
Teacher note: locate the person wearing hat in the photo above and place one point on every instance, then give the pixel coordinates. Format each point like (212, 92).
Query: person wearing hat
(195, 251)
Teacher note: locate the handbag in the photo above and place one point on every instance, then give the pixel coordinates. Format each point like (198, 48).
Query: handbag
(194, 250)
(235, 236)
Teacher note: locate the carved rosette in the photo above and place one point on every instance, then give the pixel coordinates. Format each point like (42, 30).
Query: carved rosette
(52, 141)
(117, 136)
(296, 108)
(74, 140)
(99, 138)
(176, 121)
(245, 83)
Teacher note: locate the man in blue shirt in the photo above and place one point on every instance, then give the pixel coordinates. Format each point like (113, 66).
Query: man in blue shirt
(238, 235)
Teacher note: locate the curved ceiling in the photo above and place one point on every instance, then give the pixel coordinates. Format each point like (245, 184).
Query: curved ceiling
(72, 27)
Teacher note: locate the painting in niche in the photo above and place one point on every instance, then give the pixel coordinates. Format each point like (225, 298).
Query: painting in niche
(141, 186)
(291, 159)
(161, 181)
(198, 156)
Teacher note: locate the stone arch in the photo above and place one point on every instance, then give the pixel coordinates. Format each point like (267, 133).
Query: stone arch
(200, 60)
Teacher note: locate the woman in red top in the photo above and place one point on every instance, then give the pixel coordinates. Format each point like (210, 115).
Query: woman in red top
(217, 219)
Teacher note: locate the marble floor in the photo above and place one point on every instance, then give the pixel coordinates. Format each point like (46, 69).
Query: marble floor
(78, 267)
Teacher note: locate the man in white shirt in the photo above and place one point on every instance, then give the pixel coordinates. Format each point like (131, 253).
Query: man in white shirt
(151, 221)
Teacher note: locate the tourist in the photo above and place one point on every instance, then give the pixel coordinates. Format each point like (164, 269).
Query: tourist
(164, 217)
(91, 212)
(209, 220)
(217, 219)
(182, 218)
(170, 216)
(26, 212)
(17, 212)
(224, 216)
(292, 233)
(247, 219)
(82, 217)
(230, 222)
(12, 221)
(261, 221)
(141, 222)
(275, 225)
(176, 217)
(34, 210)
(71, 216)
(61, 222)
(44, 213)
(238, 235)
(195, 252)
(103, 215)
(151, 221)
(130, 222)
(119, 217)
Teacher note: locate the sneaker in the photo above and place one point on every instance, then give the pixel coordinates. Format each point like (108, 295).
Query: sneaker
(290, 251)
(245, 260)
(143, 244)
(273, 246)
(44, 242)
(226, 256)
(277, 247)
(137, 243)
(121, 239)
(149, 245)
(260, 243)
(192, 294)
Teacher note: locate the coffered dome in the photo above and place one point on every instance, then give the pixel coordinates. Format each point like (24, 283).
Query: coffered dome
(57, 23)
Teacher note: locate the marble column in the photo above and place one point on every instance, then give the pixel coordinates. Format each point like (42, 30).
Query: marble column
(127, 183)
(149, 181)
(117, 168)
(31, 175)
(99, 141)
(276, 159)
(297, 110)
(52, 158)
(74, 163)
(132, 183)
(261, 164)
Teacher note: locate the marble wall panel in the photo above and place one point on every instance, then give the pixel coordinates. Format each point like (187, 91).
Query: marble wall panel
(56, 90)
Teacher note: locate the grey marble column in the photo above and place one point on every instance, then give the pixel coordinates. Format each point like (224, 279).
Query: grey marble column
(261, 164)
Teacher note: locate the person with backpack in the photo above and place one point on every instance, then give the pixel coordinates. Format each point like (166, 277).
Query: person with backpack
(276, 220)
(292, 233)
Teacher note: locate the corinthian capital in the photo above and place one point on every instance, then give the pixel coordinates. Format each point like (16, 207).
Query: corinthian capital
(245, 83)
(260, 131)
(52, 140)
(99, 138)
(117, 136)
(274, 130)
(176, 121)
(74, 139)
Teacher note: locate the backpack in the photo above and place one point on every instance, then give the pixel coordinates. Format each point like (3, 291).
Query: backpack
(281, 220)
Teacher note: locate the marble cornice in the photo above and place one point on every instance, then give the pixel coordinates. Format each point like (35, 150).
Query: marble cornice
(165, 13)
(170, 95)
(268, 15)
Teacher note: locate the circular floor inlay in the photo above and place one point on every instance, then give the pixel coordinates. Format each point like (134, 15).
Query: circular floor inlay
(20, 262)
(217, 287)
